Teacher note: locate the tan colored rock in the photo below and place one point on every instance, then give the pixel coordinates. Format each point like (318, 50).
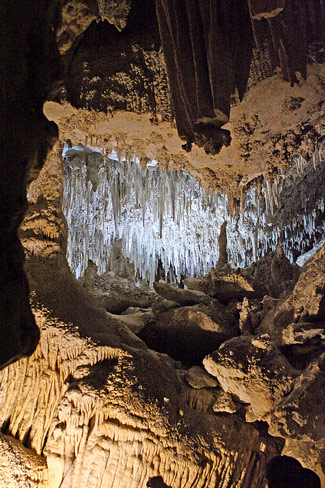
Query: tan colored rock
(134, 321)
(201, 283)
(181, 296)
(116, 293)
(253, 370)
(301, 414)
(260, 9)
(115, 11)
(308, 454)
(304, 305)
(77, 15)
(185, 334)
(231, 286)
(300, 332)
(99, 412)
(224, 403)
(198, 378)
(225, 287)
(19, 466)
(101, 407)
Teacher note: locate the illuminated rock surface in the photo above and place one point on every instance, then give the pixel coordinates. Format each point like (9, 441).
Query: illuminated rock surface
(93, 405)
(166, 217)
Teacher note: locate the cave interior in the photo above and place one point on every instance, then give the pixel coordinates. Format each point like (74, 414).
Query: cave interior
(162, 274)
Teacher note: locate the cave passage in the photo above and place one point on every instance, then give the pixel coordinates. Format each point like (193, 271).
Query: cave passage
(287, 472)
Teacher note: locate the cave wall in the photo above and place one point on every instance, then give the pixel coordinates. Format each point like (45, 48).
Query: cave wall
(88, 399)
(30, 71)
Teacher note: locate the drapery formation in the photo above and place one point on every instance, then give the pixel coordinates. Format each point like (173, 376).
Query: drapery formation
(208, 48)
(298, 25)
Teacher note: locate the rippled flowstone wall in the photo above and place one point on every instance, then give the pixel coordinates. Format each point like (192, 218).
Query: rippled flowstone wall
(166, 219)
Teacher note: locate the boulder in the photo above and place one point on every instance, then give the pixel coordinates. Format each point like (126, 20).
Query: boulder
(216, 319)
(181, 296)
(185, 334)
(116, 293)
(306, 303)
(198, 378)
(201, 283)
(301, 414)
(224, 403)
(302, 332)
(225, 287)
(253, 370)
(231, 286)
(133, 321)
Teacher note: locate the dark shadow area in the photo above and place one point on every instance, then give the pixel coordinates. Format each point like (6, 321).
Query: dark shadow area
(300, 355)
(287, 472)
(157, 482)
(189, 345)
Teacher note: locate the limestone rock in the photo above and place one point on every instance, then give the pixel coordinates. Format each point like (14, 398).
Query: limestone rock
(265, 8)
(186, 334)
(224, 286)
(98, 411)
(134, 321)
(197, 377)
(304, 305)
(200, 399)
(273, 275)
(201, 283)
(181, 296)
(231, 286)
(21, 467)
(77, 15)
(115, 11)
(253, 370)
(116, 294)
(163, 305)
(301, 415)
(224, 403)
(301, 332)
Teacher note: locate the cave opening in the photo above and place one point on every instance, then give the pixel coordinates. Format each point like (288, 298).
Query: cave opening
(157, 482)
(287, 472)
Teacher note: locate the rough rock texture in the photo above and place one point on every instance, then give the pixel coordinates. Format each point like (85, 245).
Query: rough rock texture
(115, 11)
(88, 399)
(23, 93)
(85, 399)
(226, 285)
(115, 293)
(198, 378)
(254, 370)
(76, 16)
(181, 296)
(109, 70)
(21, 467)
(305, 304)
(185, 334)
(224, 403)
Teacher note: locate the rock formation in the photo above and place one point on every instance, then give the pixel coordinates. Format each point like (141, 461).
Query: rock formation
(195, 387)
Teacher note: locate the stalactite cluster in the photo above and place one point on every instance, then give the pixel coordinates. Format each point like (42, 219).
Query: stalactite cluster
(165, 218)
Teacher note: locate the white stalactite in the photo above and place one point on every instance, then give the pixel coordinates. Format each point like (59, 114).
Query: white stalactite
(166, 216)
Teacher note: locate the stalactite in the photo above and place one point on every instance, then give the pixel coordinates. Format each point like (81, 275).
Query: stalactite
(167, 216)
